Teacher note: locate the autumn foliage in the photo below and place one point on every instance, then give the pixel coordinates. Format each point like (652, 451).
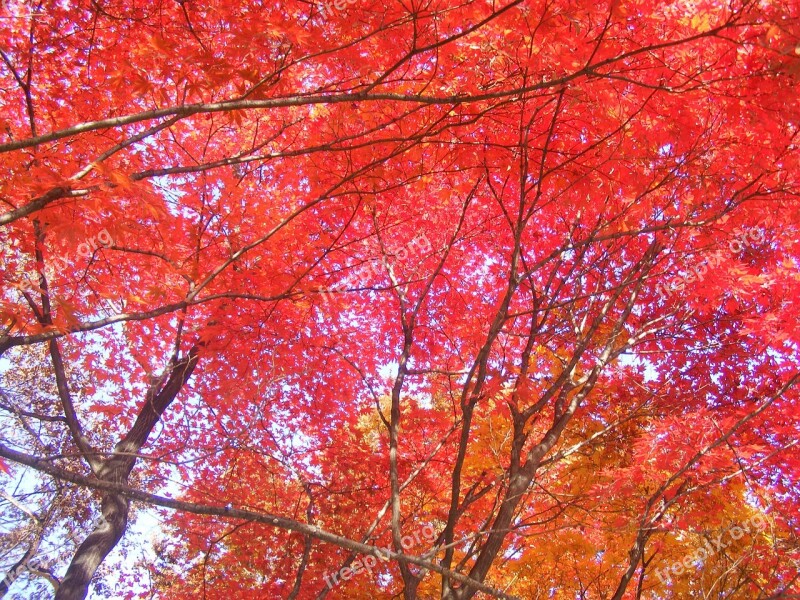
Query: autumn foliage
(400, 299)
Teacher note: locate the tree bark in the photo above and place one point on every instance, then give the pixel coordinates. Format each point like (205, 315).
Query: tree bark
(94, 549)
(107, 534)
(14, 572)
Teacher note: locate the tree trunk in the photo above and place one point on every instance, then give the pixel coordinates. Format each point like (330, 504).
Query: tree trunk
(14, 572)
(94, 549)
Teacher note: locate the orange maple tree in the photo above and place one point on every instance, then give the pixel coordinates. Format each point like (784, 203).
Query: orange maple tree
(400, 299)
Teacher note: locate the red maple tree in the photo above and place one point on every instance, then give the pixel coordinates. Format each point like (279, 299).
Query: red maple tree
(380, 300)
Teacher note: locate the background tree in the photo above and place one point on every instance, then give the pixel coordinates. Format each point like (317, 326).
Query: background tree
(522, 275)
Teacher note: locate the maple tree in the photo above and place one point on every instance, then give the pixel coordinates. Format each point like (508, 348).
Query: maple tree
(419, 300)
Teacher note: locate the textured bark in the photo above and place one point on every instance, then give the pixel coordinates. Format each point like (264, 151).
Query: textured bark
(105, 536)
(95, 548)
